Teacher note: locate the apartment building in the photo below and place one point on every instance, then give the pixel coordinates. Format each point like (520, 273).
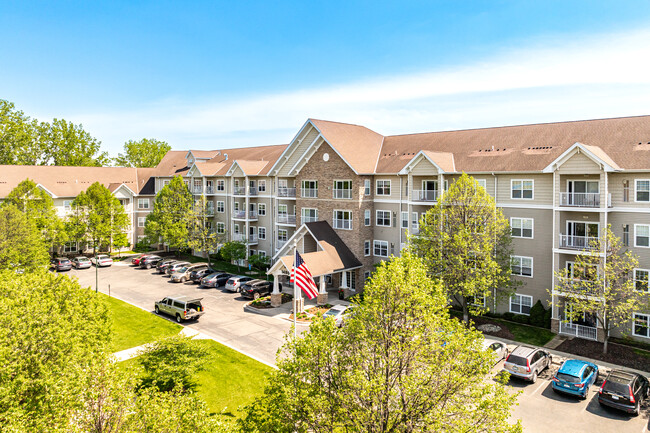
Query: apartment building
(348, 197)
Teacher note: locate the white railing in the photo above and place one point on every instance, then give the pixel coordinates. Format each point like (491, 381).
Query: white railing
(239, 190)
(209, 210)
(577, 286)
(252, 238)
(342, 224)
(238, 237)
(309, 192)
(580, 199)
(580, 331)
(286, 192)
(209, 190)
(252, 190)
(279, 244)
(198, 189)
(577, 242)
(284, 218)
(342, 193)
(241, 214)
(425, 195)
(309, 219)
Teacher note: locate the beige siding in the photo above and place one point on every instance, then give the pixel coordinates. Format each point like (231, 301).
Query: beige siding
(579, 163)
(394, 188)
(616, 181)
(308, 137)
(424, 168)
(542, 189)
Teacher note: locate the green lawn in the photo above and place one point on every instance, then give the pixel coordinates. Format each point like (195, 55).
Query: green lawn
(133, 326)
(527, 334)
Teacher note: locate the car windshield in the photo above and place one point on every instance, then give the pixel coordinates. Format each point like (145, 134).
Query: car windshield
(183, 269)
(568, 378)
(83, 259)
(517, 360)
(332, 312)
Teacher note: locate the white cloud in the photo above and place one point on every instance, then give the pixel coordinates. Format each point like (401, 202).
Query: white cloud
(590, 78)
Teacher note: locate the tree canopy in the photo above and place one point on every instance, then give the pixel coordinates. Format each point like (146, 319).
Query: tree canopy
(202, 236)
(147, 152)
(169, 218)
(21, 244)
(465, 241)
(400, 364)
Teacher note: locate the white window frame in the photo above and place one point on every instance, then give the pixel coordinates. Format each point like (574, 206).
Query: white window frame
(261, 233)
(415, 221)
(286, 235)
(482, 182)
(643, 316)
(367, 187)
(636, 190)
(646, 280)
(221, 206)
(165, 182)
(366, 275)
(473, 299)
(346, 196)
(67, 205)
(261, 253)
(377, 219)
(142, 202)
(261, 209)
(521, 227)
(367, 248)
(141, 221)
(521, 258)
(221, 228)
(385, 183)
(261, 186)
(334, 219)
(405, 220)
(512, 189)
(635, 235)
(302, 213)
(520, 303)
(379, 244)
(236, 229)
(70, 247)
(304, 189)
(221, 185)
(367, 218)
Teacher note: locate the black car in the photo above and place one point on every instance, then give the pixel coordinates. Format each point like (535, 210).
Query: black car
(149, 262)
(215, 279)
(257, 288)
(624, 390)
(61, 264)
(163, 264)
(197, 275)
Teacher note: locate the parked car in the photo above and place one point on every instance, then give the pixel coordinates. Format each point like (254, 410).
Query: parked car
(624, 390)
(499, 349)
(183, 274)
(197, 274)
(526, 362)
(61, 264)
(136, 260)
(234, 283)
(575, 377)
(256, 288)
(339, 313)
(149, 261)
(81, 262)
(215, 279)
(180, 307)
(163, 264)
(175, 266)
(102, 260)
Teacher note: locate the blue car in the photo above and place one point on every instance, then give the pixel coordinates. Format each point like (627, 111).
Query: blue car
(575, 377)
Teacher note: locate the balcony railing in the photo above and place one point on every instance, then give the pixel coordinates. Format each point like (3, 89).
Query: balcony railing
(343, 224)
(197, 189)
(241, 214)
(580, 199)
(209, 210)
(252, 239)
(252, 190)
(309, 192)
(576, 286)
(209, 190)
(286, 192)
(342, 193)
(309, 219)
(239, 190)
(577, 242)
(279, 244)
(425, 195)
(284, 218)
(580, 331)
(239, 237)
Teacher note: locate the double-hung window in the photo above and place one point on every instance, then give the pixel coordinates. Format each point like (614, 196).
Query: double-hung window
(522, 266)
(383, 218)
(141, 221)
(482, 183)
(342, 189)
(70, 247)
(405, 220)
(221, 185)
(261, 233)
(221, 206)
(641, 279)
(282, 235)
(383, 187)
(521, 304)
(309, 189)
(221, 228)
(642, 235)
(143, 203)
(261, 209)
(67, 205)
(366, 217)
(642, 190)
(366, 187)
(342, 219)
(522, 227)
(522, 189)
(415, 222)
(366, 248)
(380, 248)
(309, 215)
(261, 186)
(641, 326)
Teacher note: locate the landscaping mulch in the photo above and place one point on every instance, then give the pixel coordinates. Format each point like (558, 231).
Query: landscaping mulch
(616, 353)
(503, 333)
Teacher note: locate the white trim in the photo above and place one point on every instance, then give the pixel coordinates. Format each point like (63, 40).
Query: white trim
(530, 206)
(367, 216)
(512, 181)
(647, 318)
(532, 266)
(521, 219)
(636, 181)
(334, 219)
(390, 218)
(335, 189)
(38, 185)
(306, 156)
(641, 246)
(369, 244)
(635, 280)
(375, 241)
(520, 304)
(577, 148)
(282, 159)
(416, 159)
(377, 187)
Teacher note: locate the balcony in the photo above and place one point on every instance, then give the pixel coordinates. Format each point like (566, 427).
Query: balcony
(252, 190)
(209, 210)
(209, 190)
(242, 215)
(309, 192)
(197, 190)
(576, 286)
(342, 193)
(284, 218)
(286, 192)
(239, 190)
(580, 199)
(425, 195)
(241, 237)
(580, 331)
(571, 242)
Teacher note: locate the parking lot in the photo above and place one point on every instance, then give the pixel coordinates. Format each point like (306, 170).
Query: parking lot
(540, 408)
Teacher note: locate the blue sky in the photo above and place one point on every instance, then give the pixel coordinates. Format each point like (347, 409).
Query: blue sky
(224, 74)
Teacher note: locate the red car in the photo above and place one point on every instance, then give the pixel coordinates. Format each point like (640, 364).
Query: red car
(136, 260)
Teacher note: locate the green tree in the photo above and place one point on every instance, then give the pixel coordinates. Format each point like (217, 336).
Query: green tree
(602, 285)
(21, 243)
(147, 152)
(19, 141)
(465, 241)
(51, 334)
(38, 206)
(65, 143)
(400, 364)
(233, 251)
(259, 262)
(100, 214)
(202, 236)
(169, 218)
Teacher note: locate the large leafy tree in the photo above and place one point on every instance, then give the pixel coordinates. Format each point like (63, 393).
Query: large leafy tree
(38, 206)
(203, 237)
(465, 241)
(602, 284)
(400, 364)
(233, 251)
(147, 152)
(21, 243)
(19, 136)
(169, 218)
(99, 215)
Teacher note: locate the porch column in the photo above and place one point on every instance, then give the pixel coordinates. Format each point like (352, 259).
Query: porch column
(276, 296)
(322, 291)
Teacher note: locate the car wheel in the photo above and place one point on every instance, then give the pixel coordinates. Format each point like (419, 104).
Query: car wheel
(256, 295)
(534, 378)
(178, 318)
(183, 279)
(148, 266)
(637, 410)
(157, 310)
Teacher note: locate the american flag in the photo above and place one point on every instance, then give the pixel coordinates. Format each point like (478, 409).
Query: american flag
(302, 278)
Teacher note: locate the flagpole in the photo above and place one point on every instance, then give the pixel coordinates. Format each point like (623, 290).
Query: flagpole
(295, 296)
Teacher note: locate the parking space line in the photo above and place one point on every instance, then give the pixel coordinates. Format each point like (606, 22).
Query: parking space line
(538, 387)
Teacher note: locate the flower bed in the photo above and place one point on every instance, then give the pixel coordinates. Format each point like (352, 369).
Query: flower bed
(309, 314)
(265, 302)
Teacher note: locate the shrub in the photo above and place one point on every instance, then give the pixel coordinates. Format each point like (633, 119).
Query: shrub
(520, 318)
(509, 316)
(547, 318)
(538, 315)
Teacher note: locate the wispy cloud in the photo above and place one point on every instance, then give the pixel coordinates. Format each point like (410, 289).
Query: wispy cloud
(592, 77)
